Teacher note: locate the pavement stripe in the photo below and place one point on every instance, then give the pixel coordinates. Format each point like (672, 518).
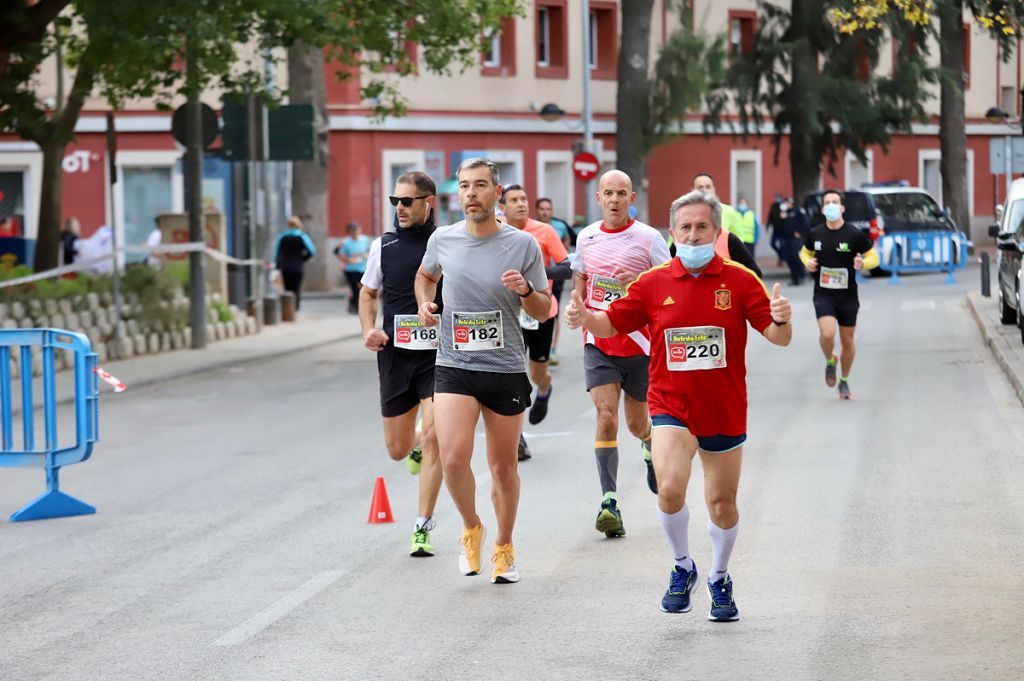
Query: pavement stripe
(278, 610)
(913, 305)
(538, 436)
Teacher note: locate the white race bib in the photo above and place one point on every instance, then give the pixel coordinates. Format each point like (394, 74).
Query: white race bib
(835, 277)
(604, 291)
(692, 348)
(411, 334)
(475, 331)
(528, 322)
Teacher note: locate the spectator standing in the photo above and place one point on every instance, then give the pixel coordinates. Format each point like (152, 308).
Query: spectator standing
(353, 253)
(778, 237)
(69, 239)
(291, 251)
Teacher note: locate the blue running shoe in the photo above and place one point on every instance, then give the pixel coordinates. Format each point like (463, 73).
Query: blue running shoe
(723, 607)
(680, 586)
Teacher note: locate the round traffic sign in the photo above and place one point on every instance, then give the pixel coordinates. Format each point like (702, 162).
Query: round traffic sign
(585, 166)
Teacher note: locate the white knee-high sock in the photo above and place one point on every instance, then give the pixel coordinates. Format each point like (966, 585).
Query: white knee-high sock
(677, 530)
(722, 542)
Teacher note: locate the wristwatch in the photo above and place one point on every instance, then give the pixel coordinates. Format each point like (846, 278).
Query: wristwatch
(528, 293)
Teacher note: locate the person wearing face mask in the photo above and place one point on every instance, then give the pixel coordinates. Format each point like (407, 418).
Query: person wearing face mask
(833, 251)
(728, 245)
(405, 349)
(747, 227)
(697, 308)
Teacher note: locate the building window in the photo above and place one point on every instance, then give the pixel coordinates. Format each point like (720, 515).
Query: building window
(742, 26)
(1008, 99)
(967, 56)
(500, 59)
(551, 38)
(604, 37)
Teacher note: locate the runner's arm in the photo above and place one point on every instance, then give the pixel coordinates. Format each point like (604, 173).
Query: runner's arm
(597, 323)
(870, 258)
(559, 271)
(738, 253)
(806, 255)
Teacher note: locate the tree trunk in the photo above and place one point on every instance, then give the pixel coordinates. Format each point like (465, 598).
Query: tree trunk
(952, 128)
(632, 118)
(309, 178)
(804, 160)
(54, 140)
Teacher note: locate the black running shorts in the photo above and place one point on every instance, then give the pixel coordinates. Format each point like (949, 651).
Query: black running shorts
(505, 394)
(845, 311)
(538, 341)
(632, 372)
(406, 377)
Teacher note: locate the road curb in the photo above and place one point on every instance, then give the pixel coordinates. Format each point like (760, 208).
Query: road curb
(999, 346)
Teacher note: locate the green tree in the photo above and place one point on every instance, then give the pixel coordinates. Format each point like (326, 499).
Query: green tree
(650, 106)
(819, 88)
(125, 49)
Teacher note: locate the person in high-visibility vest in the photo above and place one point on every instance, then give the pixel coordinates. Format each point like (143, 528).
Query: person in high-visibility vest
(747, 226)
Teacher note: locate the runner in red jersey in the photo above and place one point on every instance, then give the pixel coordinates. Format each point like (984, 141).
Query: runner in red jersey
(697, 309)
(609, 255)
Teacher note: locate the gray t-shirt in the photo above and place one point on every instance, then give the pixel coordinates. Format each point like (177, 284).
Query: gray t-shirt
(472, 269)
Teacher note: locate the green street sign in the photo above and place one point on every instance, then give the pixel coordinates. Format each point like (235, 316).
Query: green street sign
(288, 130)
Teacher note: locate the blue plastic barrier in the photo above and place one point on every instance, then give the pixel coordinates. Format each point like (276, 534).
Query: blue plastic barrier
(53, 503)
(923, 252)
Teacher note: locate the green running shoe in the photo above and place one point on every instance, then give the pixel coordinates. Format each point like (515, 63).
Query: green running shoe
(609, 519)
(421, 546)
(414, 460)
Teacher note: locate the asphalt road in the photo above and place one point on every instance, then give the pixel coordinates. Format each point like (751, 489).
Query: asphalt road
(881, 538)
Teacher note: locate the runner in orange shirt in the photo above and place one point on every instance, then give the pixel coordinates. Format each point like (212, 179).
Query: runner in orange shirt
(538, 333)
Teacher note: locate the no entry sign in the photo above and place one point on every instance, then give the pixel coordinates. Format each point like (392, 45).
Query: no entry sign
(585, 166)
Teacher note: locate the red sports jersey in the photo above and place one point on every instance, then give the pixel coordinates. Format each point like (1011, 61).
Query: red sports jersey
(698, 331)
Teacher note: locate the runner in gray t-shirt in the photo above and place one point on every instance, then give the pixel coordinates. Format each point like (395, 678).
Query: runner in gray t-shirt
(490, 271)
(472, 266)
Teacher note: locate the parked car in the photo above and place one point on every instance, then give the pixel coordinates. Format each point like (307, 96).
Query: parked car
(890, 209)
(1009, 235)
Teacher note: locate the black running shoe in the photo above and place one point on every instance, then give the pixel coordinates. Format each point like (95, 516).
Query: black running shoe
(524, 450)
(844, 390)
(652, 480)
(540, 407)
(830, 372)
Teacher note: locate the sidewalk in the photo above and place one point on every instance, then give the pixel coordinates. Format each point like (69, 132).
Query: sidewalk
(1003, 340)
(323, 319)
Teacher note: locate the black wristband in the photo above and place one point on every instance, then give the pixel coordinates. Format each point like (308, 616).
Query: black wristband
(778, 323)
(528, 293)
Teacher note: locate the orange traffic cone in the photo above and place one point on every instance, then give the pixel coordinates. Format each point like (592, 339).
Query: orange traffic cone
(380, 507)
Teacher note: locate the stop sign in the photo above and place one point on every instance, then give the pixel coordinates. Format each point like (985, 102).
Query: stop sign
(585, 166)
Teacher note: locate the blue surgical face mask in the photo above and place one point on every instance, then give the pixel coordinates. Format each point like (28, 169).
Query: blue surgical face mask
(832, 212)
(695, 257)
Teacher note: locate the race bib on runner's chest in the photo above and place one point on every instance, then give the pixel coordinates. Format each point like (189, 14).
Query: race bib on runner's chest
(528, 322)
(604, 291)
(411, 334)
(692, 348)
(835, 277)
(475, 331)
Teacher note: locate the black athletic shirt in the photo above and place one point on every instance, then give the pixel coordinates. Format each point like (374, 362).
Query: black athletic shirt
(836, 249)
(401, 253)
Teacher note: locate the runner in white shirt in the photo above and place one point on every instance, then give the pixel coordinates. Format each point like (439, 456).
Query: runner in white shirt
(610, 254)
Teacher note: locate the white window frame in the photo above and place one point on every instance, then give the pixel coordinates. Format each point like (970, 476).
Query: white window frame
(143, 159)
(560, 156)
(850, 159)
(936, 155)
(388, 159)
(512, 156)
(493, 56)
(743, 156)
(30, 164)
(544, 29)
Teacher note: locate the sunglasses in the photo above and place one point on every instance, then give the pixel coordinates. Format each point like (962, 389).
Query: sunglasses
(406, 200)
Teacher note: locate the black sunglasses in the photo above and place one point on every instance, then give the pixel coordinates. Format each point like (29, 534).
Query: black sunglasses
(406, 200)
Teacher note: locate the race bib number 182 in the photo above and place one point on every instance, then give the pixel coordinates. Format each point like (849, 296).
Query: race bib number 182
(693, 348)
(475, 331)
(604, 291)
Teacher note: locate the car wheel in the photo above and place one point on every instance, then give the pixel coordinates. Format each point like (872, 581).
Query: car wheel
(1007, 315)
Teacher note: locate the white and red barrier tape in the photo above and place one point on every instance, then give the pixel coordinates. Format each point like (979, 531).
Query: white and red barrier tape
(119, 386)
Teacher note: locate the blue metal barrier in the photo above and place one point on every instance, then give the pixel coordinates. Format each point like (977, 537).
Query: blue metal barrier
(923, 252)
(52, 503)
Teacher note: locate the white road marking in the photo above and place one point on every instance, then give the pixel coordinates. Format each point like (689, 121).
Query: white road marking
(914, 305)
(589, 411)
(538, 436)
(278, 610)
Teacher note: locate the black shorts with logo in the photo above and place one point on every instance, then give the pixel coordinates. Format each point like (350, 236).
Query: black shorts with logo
(538, 341)
(843, 308)
(406, 377)
(505, 394)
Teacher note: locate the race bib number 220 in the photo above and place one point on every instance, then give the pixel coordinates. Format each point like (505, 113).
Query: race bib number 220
(692, 348)
(475, 331)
